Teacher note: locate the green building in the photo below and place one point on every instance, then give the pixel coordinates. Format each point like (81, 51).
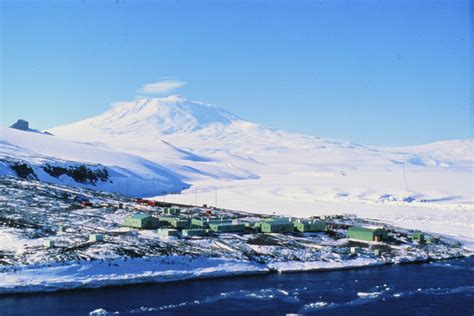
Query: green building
(204, 222)
(367, 234)
(48, 243)
(171, 211)
(193, 232)
(309, 226)
(258, 225)
(96, 237)
(199, 222)
(174, 221)
(227, 227)
(276, 225)
(418, 236)
(141, 221)
(168, 232)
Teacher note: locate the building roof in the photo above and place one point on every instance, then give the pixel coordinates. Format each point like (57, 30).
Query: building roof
(278, 221)
(312, 221)
(171, 218)
(227, 224)
(364, 229)
(140, 216)
(205, 218)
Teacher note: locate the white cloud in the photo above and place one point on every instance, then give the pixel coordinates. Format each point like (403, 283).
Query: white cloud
(161, 86)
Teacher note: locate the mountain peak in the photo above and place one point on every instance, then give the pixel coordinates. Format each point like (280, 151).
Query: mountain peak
(155, 116)
(174, 99)
(171, 99)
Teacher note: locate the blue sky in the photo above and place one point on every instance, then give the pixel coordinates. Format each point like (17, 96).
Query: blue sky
(373, 72)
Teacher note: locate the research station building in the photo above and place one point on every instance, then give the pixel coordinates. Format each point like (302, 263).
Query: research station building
(141, 221)
(366, 234)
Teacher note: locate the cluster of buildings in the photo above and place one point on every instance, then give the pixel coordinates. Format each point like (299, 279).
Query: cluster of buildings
(172, 223)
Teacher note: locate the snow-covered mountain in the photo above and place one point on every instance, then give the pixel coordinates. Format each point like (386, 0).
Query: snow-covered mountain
(202, 141)
(262, 169)
(149, 128)
(151, 117)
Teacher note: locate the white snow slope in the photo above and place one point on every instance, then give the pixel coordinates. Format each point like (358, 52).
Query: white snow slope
(266, 170)
(128, 174)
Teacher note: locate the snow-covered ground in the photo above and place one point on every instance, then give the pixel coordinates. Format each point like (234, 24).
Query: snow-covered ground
(244, 165)
(35, 212)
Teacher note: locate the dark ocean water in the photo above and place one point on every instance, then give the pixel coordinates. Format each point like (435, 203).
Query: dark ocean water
(440, 288)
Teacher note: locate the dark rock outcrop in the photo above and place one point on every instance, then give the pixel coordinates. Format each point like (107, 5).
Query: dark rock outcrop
(24, 125)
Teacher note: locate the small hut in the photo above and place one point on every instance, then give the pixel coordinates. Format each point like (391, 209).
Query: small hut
(96, 237)
(48, 243)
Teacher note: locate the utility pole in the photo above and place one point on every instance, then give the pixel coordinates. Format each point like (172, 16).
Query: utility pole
(195, 197)
(216, 199)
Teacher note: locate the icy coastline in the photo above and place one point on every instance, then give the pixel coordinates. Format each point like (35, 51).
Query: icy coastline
(101, 273)
(119, 272)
